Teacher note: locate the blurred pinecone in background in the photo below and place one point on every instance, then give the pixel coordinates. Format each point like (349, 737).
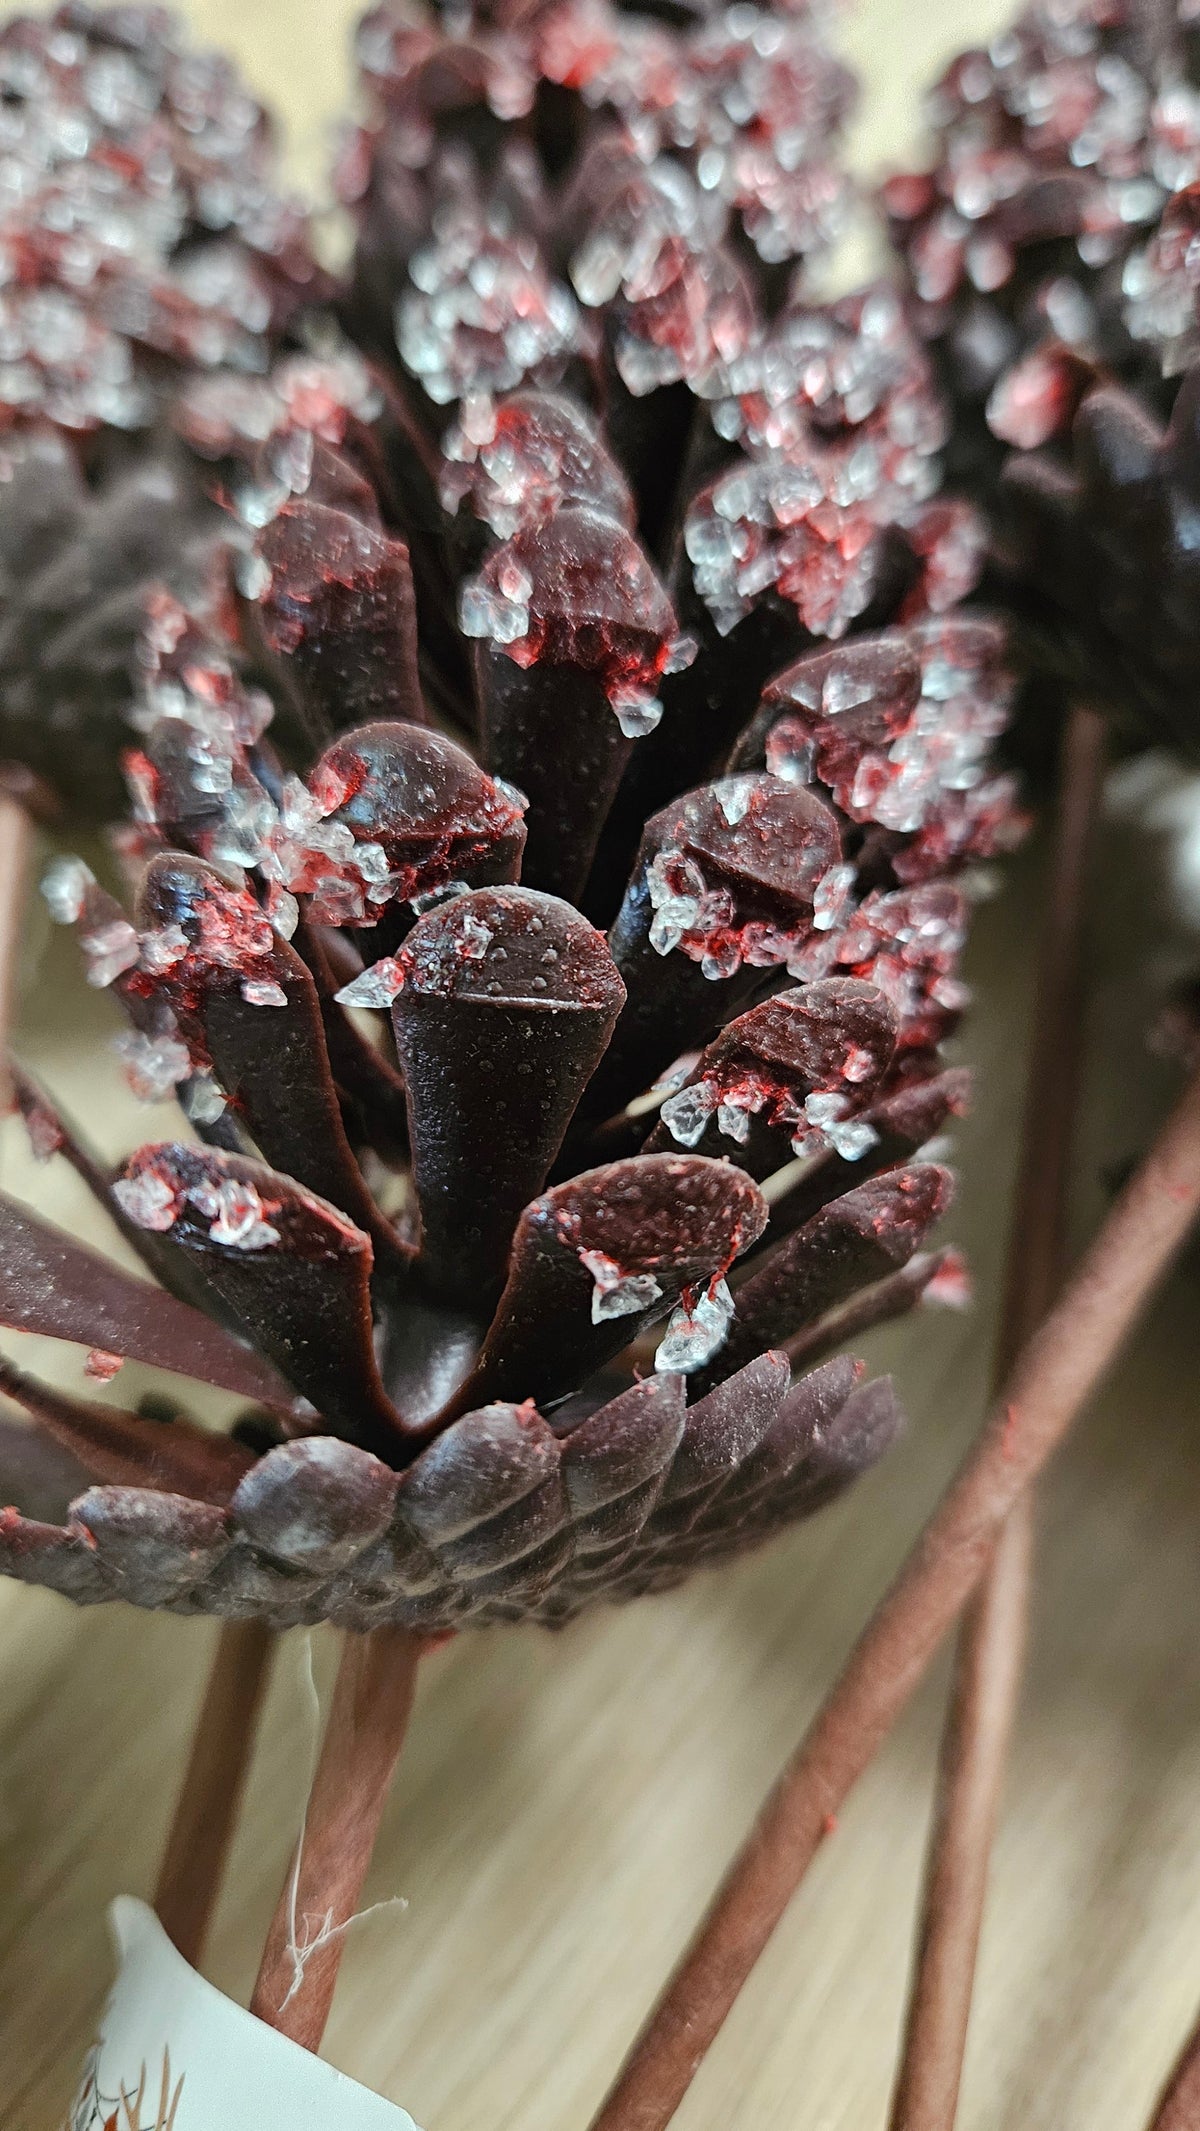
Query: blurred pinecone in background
(143, 237)
(1051, 255)
(601, 580)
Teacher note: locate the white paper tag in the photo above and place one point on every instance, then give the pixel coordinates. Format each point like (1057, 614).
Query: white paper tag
(174, 2055)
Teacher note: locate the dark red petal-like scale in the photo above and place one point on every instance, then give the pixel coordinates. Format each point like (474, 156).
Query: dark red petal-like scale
(575, 632)
(868, 687)
(529, 457)
(291, 1268)
(438, 819)
(508, 1001)
(491, 1502)
(613, 1462)
(908, 944)
(726, 886)
(313, 1505)
(54, 1286)
(903, 1121)
(915, 762)
(722, 1433)
(157, 1546)
(852, 1242)
(124, 1448)
(845, 1444)
(798, 1424)
(248, 1008)
(1103, 568)
(52, 1133)
(595, 1260)
(338, 615)
(893, 1296)
(746, 1097)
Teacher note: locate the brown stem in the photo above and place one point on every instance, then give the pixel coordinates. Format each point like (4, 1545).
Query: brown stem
(982, 1707)
(363, 1737)
(1054, 1375)
(987, 1672)
(1179, 2107)
(16, 843)
(193, 1865)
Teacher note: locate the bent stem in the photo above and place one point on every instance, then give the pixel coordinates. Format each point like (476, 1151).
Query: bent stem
(979, 1723)
(987, 1672)
(193, 1865)
(1055, 1374)
(368, 1718)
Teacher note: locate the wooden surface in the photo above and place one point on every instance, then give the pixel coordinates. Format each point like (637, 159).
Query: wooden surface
(566, 1803)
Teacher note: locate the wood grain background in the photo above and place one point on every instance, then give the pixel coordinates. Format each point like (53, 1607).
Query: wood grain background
(567, 1803)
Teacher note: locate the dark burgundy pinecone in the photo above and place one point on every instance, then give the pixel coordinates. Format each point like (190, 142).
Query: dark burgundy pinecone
(1052, 253)
(144, 239)
(521, 1320)
(1058, 147)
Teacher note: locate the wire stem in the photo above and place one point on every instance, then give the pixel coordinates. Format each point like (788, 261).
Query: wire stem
(368, 1718)
(1055, 1374)
(206, 1811)
(988, 1662)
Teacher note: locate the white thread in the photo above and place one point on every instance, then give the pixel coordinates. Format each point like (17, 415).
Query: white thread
(300, 1954)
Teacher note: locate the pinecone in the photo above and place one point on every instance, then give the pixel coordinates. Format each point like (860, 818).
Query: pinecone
(1059, 145)
(143, 230)
(1050, 253)
(144, 238)
(521, 1322)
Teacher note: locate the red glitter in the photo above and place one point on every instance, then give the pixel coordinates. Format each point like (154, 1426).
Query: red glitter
(102, 1365)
